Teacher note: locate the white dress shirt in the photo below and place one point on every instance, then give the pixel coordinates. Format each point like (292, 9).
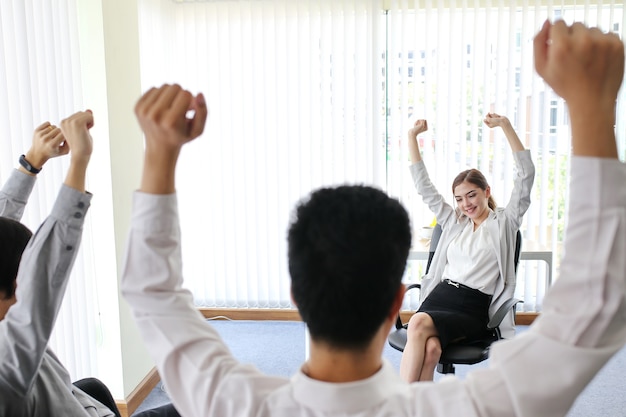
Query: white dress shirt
(583, 324)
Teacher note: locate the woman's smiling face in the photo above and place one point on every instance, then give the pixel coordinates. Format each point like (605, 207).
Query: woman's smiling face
(472, 201)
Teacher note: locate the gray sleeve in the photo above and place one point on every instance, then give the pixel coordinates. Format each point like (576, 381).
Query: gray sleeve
(14, 195)
(520, 196)
(41, 281)
(443, 211)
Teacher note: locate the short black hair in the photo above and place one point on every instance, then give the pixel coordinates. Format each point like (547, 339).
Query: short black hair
(14, 237)
(348, 248)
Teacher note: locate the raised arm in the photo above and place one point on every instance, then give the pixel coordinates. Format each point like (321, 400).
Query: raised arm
(519, 200)
(161, 114)
(191, 358)
(582, 322)
(424, 186)
(152, 275)
(45, 268)
(76, 131)
(494, 120)
(420, 126)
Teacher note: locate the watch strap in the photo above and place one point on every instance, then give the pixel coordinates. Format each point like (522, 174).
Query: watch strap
(28, 166)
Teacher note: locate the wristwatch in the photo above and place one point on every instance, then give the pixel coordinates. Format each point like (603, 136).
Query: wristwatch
(27, 166)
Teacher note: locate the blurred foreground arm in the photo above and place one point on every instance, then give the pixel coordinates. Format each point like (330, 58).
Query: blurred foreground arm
(582, 322)
(191, 358)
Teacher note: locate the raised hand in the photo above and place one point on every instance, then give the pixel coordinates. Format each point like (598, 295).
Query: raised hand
(494, 120)
(162, 115)
(579, 63)
(420, 126)
(584, 66)
(75, 130)
(48, 142)
(78, 139)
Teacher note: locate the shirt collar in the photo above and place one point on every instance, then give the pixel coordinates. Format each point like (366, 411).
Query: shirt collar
(347, 397)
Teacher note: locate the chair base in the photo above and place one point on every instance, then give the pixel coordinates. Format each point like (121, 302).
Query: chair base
(446, 368)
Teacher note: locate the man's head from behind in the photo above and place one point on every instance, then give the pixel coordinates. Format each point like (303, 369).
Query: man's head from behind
(14, 237)
(348, 248)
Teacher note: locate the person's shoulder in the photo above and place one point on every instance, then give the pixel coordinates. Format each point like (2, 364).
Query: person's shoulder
(500, 216)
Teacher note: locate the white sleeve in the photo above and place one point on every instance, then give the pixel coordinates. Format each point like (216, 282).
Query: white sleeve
(192, 360)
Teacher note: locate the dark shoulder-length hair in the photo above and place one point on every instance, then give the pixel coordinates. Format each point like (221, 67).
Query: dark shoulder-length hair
(474, 176)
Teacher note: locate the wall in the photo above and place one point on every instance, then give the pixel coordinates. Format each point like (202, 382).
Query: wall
(109, 47)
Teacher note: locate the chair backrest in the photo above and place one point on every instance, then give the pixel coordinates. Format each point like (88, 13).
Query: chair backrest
(434, 241)
(518, 248)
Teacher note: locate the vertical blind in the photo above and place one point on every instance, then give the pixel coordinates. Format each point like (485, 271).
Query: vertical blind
(294, 100)
(40, 80)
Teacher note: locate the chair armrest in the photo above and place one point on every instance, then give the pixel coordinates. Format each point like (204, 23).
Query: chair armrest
(399, 324)
(502, 312)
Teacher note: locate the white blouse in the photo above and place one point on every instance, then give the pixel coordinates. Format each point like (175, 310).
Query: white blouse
(471, 260)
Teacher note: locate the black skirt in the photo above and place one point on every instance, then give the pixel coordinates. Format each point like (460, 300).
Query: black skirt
(460, 313)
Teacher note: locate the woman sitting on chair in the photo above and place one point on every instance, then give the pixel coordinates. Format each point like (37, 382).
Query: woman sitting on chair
(473, 271)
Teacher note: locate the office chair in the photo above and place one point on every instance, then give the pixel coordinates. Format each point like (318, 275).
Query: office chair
(460, 353)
